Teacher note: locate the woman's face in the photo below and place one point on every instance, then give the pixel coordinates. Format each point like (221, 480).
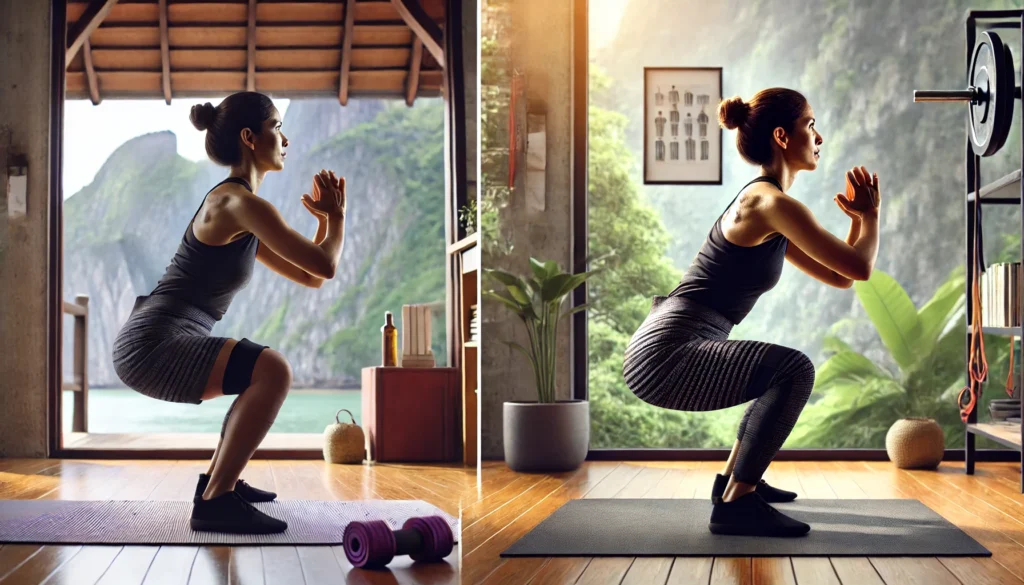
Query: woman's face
(803, 143)
(270, 144)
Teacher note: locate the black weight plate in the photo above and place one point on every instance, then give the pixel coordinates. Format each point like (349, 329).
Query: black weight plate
(993, 77)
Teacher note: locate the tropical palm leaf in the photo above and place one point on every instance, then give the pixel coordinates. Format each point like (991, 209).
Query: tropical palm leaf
(893, 314)
(935, 315)
(846, 367)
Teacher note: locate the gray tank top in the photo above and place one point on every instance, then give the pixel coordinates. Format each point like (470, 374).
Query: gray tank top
(209, 276)
(729, 278)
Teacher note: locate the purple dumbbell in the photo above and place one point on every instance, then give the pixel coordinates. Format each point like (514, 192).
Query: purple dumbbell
(373, 544)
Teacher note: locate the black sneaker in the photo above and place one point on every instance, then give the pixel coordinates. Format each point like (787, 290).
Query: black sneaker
(750, 515)
(229, 512)
(251, 494)
(770, 494)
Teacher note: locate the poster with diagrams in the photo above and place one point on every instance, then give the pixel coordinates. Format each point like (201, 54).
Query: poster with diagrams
(682, 138)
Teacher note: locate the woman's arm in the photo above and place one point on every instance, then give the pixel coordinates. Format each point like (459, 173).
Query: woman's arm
(794, 220)
(851, 238)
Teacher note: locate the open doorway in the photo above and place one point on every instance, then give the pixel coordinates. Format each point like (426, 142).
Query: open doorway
(360, 89)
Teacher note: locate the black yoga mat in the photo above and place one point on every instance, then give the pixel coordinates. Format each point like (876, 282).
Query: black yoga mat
(679, 527)
(167, 521)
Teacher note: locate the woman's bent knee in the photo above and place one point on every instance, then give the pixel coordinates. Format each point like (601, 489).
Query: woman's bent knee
(273, 367)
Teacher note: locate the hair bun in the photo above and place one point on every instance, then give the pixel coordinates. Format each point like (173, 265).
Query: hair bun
(203, 115)
(732, 113)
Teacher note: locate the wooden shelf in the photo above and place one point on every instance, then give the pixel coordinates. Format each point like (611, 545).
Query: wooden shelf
(465, 243)
(1003, 433)
(1004, 190)
(1005, 331)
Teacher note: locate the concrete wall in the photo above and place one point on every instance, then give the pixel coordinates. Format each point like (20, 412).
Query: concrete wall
(542, 50)
(24, 130)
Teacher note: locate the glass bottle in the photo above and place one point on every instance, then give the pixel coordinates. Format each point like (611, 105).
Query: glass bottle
(389, 338)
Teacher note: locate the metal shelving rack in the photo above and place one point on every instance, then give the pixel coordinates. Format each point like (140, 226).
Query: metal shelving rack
(1008, 190)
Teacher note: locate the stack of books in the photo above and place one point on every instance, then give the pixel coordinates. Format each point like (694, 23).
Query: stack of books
(416, 350)
(474, 323)
(1000, 295)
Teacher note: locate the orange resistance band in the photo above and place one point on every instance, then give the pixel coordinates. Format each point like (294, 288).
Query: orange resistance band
(977, 352)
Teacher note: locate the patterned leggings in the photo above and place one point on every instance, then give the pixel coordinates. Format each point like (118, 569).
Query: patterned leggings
(681, 358)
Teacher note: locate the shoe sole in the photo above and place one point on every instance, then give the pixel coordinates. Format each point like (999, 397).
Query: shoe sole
(764, 498)
(746, 530)
(211, 526)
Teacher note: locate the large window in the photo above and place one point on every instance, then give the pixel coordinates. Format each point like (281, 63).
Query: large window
(136, 171)
(858, 64)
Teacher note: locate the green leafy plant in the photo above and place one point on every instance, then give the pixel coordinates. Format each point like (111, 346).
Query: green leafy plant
(467, 217)
(863, 398)
(538, 301)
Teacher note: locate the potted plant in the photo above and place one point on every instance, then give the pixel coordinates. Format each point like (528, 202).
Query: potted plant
(907, 409)
(546, 434)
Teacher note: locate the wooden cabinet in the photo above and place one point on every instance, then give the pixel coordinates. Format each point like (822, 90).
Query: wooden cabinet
(412, 414)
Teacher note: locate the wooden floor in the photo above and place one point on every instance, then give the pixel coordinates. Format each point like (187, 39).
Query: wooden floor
(988, 506)
(443, 486)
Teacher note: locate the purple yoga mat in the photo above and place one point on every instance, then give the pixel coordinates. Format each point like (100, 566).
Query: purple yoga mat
(310, 522)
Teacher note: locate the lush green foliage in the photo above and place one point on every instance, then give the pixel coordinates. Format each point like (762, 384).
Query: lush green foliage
(407, 143)
(537, 300)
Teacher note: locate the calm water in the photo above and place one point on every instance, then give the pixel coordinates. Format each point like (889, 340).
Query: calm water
(126, 411)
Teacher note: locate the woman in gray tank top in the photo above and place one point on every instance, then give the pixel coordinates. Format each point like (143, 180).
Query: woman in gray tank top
(164, 350)
(681, 356)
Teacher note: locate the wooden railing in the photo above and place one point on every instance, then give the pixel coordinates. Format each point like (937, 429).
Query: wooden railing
(80, 384)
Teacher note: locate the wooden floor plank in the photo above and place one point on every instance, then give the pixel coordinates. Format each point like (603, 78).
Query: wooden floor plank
(979, 571)
(246, 566)
(605, 571)
(668, 484)
(772, 571)
(642, 483)
(41, 565)
(516, 571)
(852, 571)
(130, 566)
(85, 567)
(687, 570)
(478, 509)
(818, 571)
(281, 565)
(13, 555)
(556, 571)
(731, 571)
(914, 571)
(648, 571)
(615, 481)
(211, 566)
(172, 565)
(319, 565)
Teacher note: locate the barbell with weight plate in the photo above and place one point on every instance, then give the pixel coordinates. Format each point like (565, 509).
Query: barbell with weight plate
(991, 91)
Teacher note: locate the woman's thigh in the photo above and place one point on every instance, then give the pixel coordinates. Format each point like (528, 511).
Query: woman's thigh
(254, 362)
(698, 375)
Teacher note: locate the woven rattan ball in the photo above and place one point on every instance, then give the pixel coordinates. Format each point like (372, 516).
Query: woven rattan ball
(344, 442)
(915, 443)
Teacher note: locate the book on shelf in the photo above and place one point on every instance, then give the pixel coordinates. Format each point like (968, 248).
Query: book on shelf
(1001, 295)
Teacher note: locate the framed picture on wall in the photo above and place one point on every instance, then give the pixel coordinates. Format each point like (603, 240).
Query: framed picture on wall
(682, 138)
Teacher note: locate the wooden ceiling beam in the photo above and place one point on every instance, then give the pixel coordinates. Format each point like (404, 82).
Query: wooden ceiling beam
(84, 26)
(250, 77)
(346, 50)
(412, 84)
(90, 73)
(165, 52)
(422, 26)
